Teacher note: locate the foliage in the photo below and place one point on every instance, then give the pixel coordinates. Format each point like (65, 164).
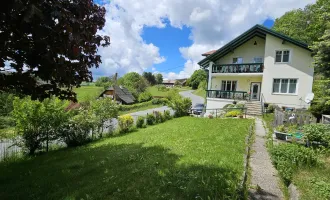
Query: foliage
(6, 122)
(88, 93)
(180, 105)
(321, 103)
(125, 123)
(6, 103)
(270, 108)
(288, 158)
(281, 128)
(147, 159)
(151, 119)
(105, 109)
(321, 188)
(149, 77)
(160, 118)
(162, 101)
(76, 130)
(167, 115)
(140, 122)
(134, 82)
(317, 133)
(163, 88)
(307, 24)
(145, 96)
(322, 51)
(104, 81)
(159, 78)
(53, 48)
(233, 113)
(196, 78)
(139, 105)
(173, 94)
(177, 83)
(37, 121)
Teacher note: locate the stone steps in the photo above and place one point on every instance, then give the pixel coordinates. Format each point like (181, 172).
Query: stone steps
(253, 108)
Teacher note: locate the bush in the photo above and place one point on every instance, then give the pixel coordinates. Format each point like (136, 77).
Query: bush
(163, 101)
(145, 96)
(317, 133)
(180, 105)
(163, 88)
(134, 106)
(6, 103)
(233, 113)
(270, 108)
(6, 122)
(159, 117)
(287, 158)
(125, 123)
(167, 115)
(140, 122)
(151, 119)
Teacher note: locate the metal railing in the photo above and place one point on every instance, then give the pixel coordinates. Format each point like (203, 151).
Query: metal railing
(262, 98)
(221, 94)
(238, 68)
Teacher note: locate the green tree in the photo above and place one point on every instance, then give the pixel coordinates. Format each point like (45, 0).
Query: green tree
(149, 77)
(49, 47)
(322, 52)
(180, 105)
(104, 81)
(197, 77)
(159, 78)
(134, 82)
(321, 103)
(105, 109)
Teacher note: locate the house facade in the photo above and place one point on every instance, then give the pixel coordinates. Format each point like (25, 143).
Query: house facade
(259, 65)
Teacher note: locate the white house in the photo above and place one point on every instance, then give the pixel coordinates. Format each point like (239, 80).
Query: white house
(260, 65)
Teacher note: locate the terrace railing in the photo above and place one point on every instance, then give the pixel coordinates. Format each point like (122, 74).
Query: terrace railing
(221, 94)
(238, 68)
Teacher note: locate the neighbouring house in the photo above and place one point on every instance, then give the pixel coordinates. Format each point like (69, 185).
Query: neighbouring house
(120, 93)
(259, 66)
(169, 83)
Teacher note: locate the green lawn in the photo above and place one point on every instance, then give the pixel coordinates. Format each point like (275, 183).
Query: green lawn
(88, 92)
(155, 92)
(140, 109)
(200, 92)
(185, 158)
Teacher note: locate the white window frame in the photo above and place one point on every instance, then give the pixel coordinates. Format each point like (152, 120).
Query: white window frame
(282, 50)
(231, 85)
(237, 60)
(287, 90)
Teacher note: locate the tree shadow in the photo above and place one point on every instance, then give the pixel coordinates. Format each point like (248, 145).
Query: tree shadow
(125, 171)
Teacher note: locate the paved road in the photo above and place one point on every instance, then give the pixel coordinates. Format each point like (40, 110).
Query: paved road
(194, 98)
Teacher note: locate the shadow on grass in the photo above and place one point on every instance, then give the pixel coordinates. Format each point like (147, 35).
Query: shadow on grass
(126, 171)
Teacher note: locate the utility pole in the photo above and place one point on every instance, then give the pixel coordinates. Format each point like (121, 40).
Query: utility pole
(114, 84)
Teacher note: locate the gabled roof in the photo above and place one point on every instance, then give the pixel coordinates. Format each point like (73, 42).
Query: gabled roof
(209, 53)
(257, 30)
(122, 93)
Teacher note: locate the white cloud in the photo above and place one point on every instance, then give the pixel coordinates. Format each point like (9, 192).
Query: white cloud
(213, 23)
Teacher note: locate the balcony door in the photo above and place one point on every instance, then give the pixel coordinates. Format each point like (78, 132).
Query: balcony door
(255, 91)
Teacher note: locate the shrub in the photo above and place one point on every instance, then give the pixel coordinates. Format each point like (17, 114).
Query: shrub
(134, 106)
(240, 105)
(167, 115)
(6, 122)
(140, 122)
(180, 105)
(151, 120)
(317, 133)
(125, 123)
(163, 88)
(6, 103)
(228, 105)
(288, 157)
(233, 113)
(145, 96)
(159, 117)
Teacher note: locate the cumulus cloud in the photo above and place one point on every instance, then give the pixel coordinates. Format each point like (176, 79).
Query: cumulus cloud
(212, 23)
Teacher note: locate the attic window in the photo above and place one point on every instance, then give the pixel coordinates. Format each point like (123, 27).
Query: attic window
(282, 56)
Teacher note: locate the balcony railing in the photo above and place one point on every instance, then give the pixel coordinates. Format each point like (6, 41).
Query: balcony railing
(239, 68)
(221, 94)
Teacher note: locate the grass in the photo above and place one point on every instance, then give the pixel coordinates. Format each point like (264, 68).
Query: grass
(140, 109)
(155, 92)
(184, 158)
(200, 92)
(88, 92)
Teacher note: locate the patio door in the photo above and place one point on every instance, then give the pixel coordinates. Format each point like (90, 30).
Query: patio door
(255, 91)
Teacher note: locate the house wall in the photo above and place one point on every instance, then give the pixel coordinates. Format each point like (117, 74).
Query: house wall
(243, 82)
(299, 67)
(247, 51)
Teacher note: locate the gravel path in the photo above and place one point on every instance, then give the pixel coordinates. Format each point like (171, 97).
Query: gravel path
(264, 175)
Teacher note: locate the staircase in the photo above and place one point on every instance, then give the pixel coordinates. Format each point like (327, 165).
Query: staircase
(253, 108)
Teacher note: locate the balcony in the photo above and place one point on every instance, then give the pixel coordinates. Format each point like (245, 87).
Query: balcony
(238, 68)
(220, 94)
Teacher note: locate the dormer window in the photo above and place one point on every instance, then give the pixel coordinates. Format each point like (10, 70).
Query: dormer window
(282, 56)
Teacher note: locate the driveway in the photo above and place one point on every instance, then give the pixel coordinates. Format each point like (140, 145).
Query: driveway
(194, 98)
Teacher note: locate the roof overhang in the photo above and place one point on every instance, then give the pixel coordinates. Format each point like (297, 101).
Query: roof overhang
(255, 31)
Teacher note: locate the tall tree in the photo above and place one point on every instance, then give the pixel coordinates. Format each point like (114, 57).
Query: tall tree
(197, 77)
(48, 47)
(134, 82)
(149, 77)
(159, 78)
(104, 81)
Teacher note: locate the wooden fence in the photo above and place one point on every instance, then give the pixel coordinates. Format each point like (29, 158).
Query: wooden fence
(299, 118)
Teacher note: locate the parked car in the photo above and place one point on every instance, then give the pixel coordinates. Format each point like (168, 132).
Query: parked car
(197, 109)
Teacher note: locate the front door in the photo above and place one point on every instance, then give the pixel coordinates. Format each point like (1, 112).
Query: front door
(255, 91)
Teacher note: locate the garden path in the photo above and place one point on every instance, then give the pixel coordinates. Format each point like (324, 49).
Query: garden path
(264, 181)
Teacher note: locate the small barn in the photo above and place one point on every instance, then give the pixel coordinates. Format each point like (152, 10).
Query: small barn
(122, 94)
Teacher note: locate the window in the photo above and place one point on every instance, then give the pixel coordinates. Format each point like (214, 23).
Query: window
(237, 60)
(282, 56)
(257, 60)
(285, 86)
(228, 85)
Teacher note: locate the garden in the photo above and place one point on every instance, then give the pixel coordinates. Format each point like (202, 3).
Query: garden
(175, 159)
(301, 153)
